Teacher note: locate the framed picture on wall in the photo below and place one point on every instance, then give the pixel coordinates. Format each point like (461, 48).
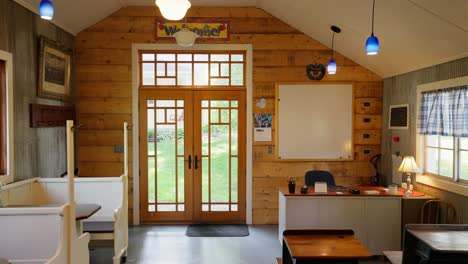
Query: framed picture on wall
(54, 71)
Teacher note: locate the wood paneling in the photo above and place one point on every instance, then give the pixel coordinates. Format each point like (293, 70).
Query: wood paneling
(280, 53)
(38, 152)
(401, 89)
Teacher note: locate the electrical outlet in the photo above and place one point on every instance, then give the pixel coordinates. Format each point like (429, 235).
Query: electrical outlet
(118, 149)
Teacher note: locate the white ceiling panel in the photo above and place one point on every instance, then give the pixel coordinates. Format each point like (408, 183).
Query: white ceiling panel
(413, 33)
(410, 37)
(197, 2)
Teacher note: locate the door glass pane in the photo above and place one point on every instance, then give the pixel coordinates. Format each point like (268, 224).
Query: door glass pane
(237, 74)
(184, 74)
(219, 81)
(224, 69)
(446, 163)
(150, 132)
(219, 149)
(166, 57)
(151, 179)
(224, 115)
(166, 81)
(147, 57)
(166, 169)
(180, 132)
(171, 69)
(214, 69)
(160, 116)
(201, 74)
(201, 57)
(214, 115)
(148, 73)
(234, 177)
(219, 57)
(170, 115)
(237, 57)
(184, 57)
(165, 103)
(219, 103)
(161, 69)
(234, 133)
(205, 179)
(205, 135)
(180, 180)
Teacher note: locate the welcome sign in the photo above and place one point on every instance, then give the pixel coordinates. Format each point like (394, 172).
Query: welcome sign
(206, 29)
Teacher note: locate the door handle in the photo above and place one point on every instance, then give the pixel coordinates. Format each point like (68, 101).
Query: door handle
(196, 162)
(190, 162)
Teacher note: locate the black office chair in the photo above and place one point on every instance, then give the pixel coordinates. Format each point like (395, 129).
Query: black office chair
(319, 176)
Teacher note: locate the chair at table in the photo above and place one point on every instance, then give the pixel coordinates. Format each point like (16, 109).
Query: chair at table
(319, 176)
(438, 212)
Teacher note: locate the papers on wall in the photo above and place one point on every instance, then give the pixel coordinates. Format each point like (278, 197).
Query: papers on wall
(396, 176)
(262, 130)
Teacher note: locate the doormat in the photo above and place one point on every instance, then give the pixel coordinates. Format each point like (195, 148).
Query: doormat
(217, 231)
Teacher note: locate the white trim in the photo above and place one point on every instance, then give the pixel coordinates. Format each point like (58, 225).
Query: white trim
(451, 186)
(35, 9)
(135, 81)
(10, 176)
(446, 185)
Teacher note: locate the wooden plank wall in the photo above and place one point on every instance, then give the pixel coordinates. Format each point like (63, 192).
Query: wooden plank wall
(401, 89)
(280, 54)
(38, 152)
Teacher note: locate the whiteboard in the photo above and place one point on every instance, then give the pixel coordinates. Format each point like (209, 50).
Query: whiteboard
(315, 121)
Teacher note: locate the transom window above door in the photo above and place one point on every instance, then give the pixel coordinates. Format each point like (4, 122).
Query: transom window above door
(192, 68)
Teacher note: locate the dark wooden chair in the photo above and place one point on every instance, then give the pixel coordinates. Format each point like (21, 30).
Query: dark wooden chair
(438, 212)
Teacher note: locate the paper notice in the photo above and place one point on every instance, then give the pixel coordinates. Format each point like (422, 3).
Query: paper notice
(396, 176)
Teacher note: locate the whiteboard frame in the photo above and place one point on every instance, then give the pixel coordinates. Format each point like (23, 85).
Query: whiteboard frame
(277, 85)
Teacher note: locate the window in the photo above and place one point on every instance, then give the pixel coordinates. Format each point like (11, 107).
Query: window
(446, 157)
(196, 68)
(6, 117)
(442, 138)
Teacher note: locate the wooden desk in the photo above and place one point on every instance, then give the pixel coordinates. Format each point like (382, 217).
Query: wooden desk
(322, 246)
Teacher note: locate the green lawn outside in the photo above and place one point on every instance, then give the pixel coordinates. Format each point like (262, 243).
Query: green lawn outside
(167, 163)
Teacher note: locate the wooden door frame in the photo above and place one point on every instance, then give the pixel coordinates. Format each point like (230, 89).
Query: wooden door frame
(135, 113)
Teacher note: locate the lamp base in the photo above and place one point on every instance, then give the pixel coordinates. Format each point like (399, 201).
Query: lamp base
(408, 193)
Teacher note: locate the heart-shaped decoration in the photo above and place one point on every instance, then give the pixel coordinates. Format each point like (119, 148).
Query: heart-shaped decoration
(161, 26)
(315, 71)
(222, 27)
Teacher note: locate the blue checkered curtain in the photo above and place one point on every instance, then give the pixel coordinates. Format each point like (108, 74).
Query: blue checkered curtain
(444, 112)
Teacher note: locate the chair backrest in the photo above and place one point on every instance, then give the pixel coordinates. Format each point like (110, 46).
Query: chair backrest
(319, 176)
(438, 212)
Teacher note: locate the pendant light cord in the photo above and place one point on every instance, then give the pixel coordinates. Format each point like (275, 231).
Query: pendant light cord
(373, 10)
(333, 40)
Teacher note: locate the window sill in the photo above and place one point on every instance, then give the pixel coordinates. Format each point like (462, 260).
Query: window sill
(457, 188)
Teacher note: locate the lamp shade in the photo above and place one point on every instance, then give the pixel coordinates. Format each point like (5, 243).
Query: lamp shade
(409, 165)
(173, 9)
(372, 45)
(185, 37)
(331, 68)
(46, 9)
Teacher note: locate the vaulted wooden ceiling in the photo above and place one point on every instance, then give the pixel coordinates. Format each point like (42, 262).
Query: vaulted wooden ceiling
(413, 33)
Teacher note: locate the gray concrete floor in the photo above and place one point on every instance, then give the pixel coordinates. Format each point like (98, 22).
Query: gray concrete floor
(169, 245)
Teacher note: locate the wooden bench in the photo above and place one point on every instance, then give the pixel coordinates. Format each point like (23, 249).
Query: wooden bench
(34, 234)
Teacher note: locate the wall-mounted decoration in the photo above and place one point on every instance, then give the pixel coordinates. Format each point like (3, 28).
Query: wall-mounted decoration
(262, 127)
(399, 116)
(50, 115)
(54, 71)
(261, 103)
(206, 29)
(315, 71)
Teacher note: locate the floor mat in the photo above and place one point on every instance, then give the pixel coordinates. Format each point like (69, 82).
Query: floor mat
(217, 231)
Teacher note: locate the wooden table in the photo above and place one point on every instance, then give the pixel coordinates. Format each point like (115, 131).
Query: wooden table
(322, 246)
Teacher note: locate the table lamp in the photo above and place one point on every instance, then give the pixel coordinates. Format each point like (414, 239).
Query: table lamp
(409, 166)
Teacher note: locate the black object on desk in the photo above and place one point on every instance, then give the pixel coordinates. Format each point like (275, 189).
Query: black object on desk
(435, 244)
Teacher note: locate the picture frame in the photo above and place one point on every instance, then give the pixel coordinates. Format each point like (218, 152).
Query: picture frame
(54, 71)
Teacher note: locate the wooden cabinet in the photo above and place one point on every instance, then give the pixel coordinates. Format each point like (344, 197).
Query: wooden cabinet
(376, 221)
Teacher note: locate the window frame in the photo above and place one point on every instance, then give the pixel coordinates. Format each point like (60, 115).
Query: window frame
(8, 177)
(453, 183)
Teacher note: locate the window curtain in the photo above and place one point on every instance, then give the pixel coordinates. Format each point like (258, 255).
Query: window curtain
(444, 112)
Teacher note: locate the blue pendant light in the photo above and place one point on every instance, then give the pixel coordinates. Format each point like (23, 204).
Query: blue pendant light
(372, 43)
(46, 9)
(331, 67)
